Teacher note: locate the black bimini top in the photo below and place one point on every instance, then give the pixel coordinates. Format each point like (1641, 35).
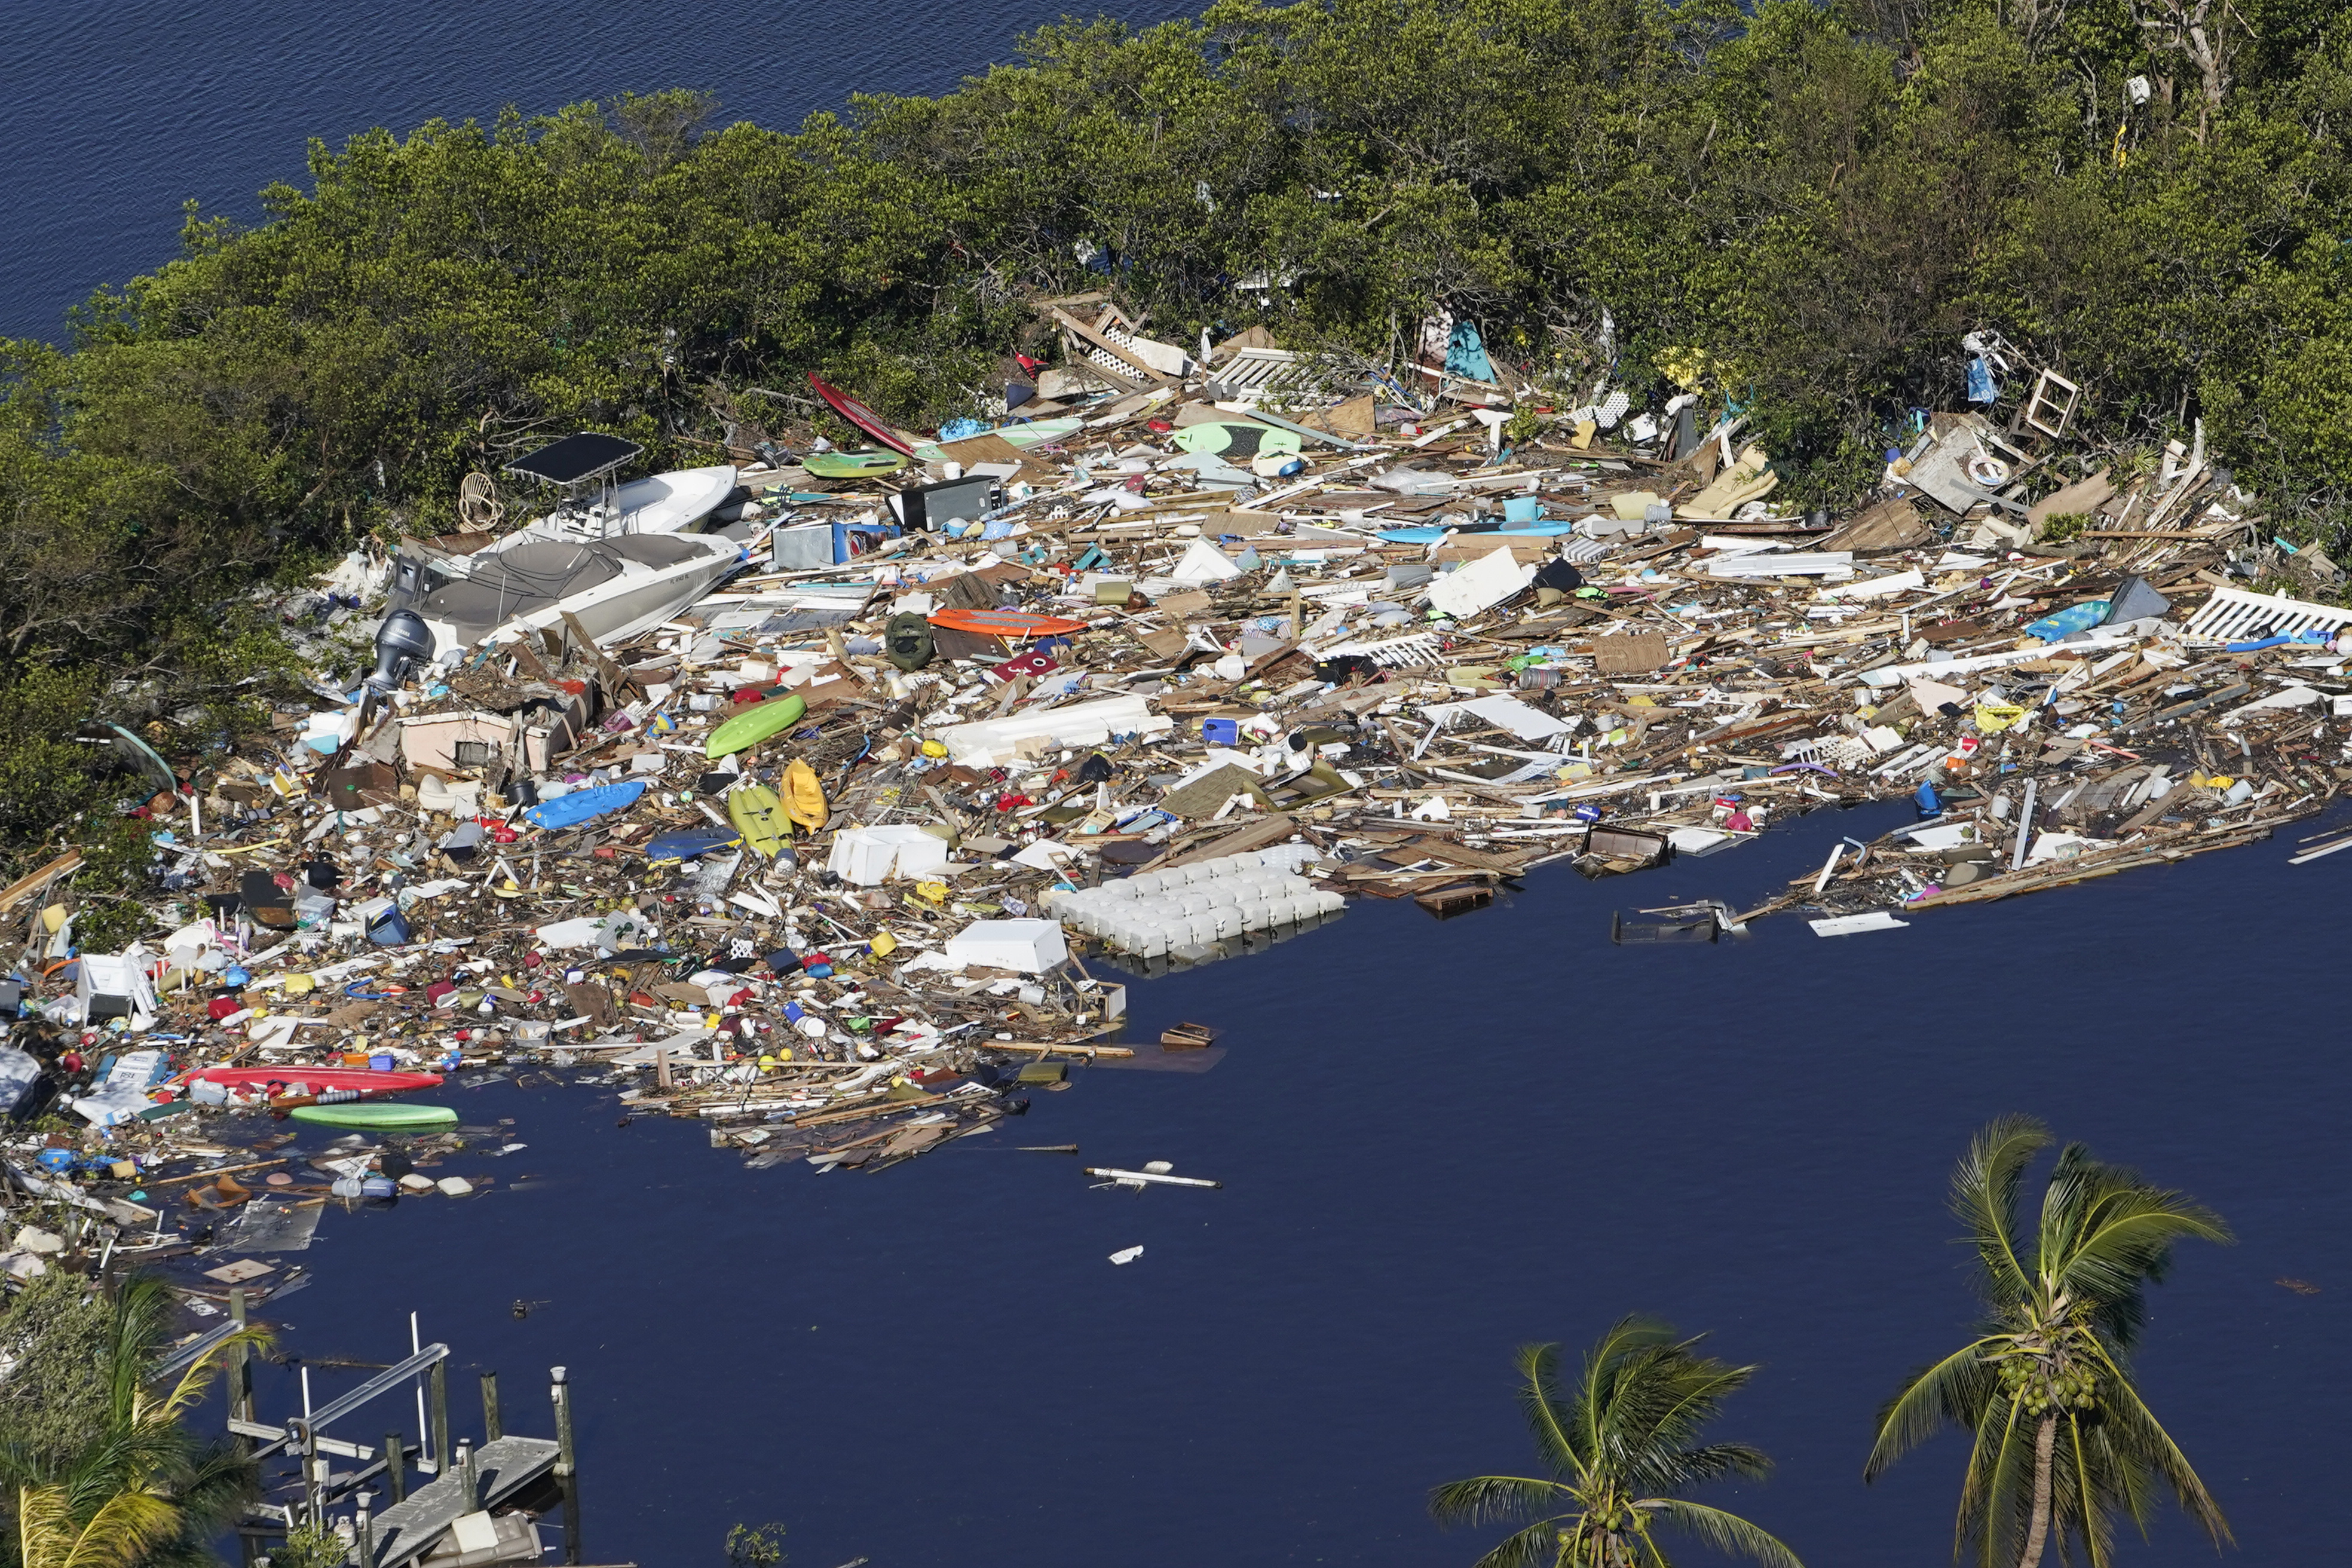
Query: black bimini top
(576, 458)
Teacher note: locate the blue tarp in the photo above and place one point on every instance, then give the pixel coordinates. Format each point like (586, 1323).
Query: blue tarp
(1465, 355)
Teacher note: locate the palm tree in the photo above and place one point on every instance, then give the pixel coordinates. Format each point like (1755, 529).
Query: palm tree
(142, 1490)
(1616, 1453)
(2062, 1440)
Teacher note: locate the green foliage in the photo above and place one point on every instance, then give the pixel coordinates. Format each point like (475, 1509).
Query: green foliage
(2062, 1441)
(1614, 1451)
(56, 1334)
(97, 1462)
(1799, 208)
(756, 1546)
(307, 1546)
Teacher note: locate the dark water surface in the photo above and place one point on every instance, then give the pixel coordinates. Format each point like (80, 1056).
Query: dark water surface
(114, 115)
(1439, 1141)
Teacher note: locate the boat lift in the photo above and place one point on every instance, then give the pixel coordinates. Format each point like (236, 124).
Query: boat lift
(441, 1516)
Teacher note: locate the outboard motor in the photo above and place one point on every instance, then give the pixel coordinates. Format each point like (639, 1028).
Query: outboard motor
(402, 643)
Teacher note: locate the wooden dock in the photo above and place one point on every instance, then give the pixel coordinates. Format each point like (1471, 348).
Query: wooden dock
(505, 1471)
(406, 1531)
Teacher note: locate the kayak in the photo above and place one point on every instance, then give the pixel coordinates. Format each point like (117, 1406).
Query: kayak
(758, 815)
(572, 810)
(377, 1116)
(312, 1080)
(852, 465)
(1004, 624)
(804, 797)
(754, 725)
(690, 844)
(865, 419)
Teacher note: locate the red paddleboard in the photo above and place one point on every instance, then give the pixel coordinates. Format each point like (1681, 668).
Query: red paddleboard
(865, 419)
(281, 1081)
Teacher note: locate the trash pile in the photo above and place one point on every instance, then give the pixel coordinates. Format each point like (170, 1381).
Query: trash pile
(826, 799)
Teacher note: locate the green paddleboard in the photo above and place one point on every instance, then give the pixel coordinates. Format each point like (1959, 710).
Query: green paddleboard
(754, 724)
(378, 1116)
(852, 465)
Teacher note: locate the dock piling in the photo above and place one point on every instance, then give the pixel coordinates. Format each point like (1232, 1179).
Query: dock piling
(440, 1418)
(567, 1469)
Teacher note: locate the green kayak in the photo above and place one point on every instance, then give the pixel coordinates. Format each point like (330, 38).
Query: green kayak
(754, 724)
(377, 1116)
(851, 465)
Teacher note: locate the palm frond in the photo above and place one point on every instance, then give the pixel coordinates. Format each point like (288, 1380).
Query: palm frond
(44, 1526)
(1984, 1199)
(1482, 1499)
(1551, 1420)
(2091, 1521)
(1612, 1363)
(190, 1389)
(139, 1327)
(1537, 1546)
(123, 1531)
(2004, 1492)
(2121, 1240)
(1690, 1390)
(2137, 1431)
(1938, 1393)
(1727, 1532)
(1714, 1460)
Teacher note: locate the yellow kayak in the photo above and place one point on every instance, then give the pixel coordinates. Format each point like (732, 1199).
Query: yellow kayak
(804, 797)
(759, 818)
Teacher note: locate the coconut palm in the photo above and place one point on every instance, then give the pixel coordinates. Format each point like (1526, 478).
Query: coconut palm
(1615, 1452)
(2062, 1441)
(140, 1490)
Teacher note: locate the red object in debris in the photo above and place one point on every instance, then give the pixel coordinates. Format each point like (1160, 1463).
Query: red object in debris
(858, 414)
(1006, 623)
(1029, 663)
(222, 1006)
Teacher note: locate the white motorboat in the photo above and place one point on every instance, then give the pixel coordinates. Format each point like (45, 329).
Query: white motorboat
(614, 587)
(664, 503)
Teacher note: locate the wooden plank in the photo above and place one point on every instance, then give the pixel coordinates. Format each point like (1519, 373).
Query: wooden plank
(1272, 829)
(406, 1531)
(64, 864)
(1142, 373)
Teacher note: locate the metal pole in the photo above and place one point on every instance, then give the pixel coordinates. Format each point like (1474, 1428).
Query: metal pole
(491, 1430)
(395, 1465)
(466, 1489)
(363, 1529)
(416, 1346)
(2024, 825)
(240, 1375)
(440, 1418)
(567, 1467)
(314, 1504)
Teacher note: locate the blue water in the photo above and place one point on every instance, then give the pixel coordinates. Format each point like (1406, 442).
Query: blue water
(114, 115)
(1439, 1141)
